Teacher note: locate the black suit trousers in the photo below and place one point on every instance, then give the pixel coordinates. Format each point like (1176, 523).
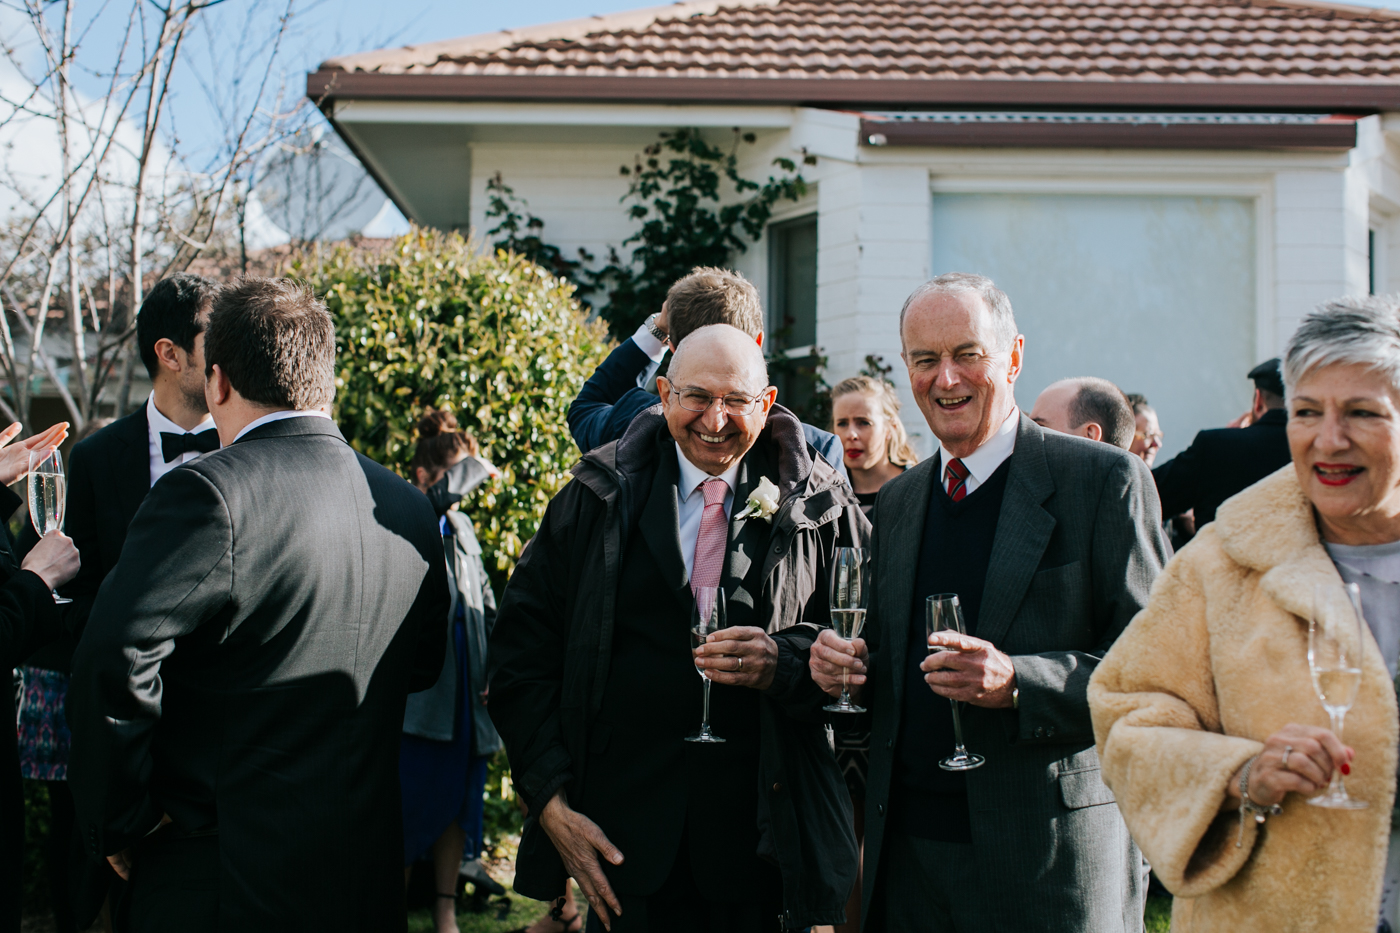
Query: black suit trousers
(174, 885)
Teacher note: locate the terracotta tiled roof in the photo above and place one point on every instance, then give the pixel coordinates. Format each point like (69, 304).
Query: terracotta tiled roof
(995, 40)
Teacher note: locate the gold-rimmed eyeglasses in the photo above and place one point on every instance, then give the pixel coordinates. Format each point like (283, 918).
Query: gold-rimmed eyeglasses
(736, 405)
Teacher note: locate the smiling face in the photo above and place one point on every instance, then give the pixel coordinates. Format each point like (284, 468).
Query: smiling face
(864, 432)
(719, 360)
(1344, 433)
(961, 373)
(1147, 436)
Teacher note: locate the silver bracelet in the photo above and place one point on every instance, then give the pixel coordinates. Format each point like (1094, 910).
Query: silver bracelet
(656, 332)
(1249, 807)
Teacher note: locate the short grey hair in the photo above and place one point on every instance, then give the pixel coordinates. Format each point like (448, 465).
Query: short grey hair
(1346, 331)
(957, 283)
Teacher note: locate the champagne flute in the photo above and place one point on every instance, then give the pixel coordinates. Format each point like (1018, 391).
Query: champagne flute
(944, 614)
(706, 618)
(1335, 640)
(47, 496)
(850, 593)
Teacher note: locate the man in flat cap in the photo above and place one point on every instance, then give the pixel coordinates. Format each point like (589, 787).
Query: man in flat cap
(1223, 461)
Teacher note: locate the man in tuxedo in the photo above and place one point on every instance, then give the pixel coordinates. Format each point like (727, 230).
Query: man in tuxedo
(1051, 543)
(593, 680)
(624, 385)
(1223, 461)
(238, 692)
(110, 472)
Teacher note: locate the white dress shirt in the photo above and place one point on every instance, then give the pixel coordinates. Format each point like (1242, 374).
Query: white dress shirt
(280, 416)
(654, 349)
(690, 502)
(983, 461)
(156, 423)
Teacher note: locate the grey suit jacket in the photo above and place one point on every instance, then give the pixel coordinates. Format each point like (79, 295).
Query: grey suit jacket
(1077, 546)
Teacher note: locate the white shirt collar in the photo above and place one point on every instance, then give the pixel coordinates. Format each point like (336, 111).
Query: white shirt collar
(692, 476)
(995, 450)
(158, 422)
(280, 416)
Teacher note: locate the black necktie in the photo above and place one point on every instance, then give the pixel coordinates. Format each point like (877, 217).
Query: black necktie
(173, 446)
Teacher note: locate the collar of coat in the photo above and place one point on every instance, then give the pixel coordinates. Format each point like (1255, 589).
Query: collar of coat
(1270, 528)
(801, 476)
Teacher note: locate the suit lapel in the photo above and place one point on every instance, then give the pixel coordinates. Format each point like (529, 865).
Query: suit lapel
(132, 466)
(660, 525)
(1023, 532)
(748, 537)
(901, 531)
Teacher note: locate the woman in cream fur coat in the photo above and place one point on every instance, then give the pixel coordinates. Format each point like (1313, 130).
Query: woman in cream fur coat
(1213, 675)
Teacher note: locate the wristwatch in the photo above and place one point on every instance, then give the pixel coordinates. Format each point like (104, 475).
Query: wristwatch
(656, 332)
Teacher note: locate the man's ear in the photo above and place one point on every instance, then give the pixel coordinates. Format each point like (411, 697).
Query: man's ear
(770, 396)
(663, 389)
(217, 388)
(168, 355)
(1093, 430)
(1018, 358)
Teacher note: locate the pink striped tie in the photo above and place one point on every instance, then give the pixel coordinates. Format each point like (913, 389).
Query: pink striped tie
(713, 537)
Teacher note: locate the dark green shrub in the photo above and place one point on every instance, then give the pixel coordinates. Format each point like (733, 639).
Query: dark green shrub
(429, 321)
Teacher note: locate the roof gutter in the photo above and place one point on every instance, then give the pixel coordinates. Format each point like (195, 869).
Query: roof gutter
(1339, 134)
(326, 86)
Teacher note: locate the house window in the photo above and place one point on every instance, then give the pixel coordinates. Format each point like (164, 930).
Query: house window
(794, 360)
(792, 274)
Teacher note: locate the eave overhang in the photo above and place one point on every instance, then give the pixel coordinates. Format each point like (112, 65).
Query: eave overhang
(1359, 98)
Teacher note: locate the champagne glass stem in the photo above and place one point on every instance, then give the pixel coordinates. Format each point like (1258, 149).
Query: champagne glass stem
(705, 720)
(961, 750)
(1337, 787)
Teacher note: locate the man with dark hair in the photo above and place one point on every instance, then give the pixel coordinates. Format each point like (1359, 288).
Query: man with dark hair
(624, 385)
(111, 470)
(1223, 461)
(1087, 406)
(238, 694)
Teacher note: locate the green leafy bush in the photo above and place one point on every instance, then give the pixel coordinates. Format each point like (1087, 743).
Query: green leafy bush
(431, 322)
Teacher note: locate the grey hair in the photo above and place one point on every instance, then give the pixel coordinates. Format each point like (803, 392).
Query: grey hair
(1346, 331)
(957, 283)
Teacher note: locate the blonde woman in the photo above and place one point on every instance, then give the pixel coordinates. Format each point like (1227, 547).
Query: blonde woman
(865, 416)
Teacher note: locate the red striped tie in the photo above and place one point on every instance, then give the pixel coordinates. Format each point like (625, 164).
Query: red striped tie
(713, 537)
(956, 480)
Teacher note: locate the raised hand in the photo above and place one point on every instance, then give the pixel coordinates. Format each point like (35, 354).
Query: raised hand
(831, 655)
(579, 841)
(740, 656)
(14, 460)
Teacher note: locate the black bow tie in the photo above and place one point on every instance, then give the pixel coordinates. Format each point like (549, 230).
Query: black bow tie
(173, 446)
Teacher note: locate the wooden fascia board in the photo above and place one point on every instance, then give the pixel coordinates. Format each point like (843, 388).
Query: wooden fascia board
(869, 93)
(1339, 135)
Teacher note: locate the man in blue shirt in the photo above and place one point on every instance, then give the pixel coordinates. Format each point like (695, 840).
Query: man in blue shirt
(624, 386)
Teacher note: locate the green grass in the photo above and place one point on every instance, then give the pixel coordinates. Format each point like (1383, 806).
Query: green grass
(523, 912)
(1159, 915)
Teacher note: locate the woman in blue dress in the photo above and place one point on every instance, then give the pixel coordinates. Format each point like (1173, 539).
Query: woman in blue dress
(447, 735)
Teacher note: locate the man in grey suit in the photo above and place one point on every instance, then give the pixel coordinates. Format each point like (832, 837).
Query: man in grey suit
(1051, 543)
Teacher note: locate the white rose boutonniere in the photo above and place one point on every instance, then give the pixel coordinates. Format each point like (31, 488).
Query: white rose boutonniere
(763, 501)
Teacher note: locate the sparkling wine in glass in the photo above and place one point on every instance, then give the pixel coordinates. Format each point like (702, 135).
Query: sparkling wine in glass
(706, 618)
(944, 614)
(1335, 639)
(48, 494)
(850, 595)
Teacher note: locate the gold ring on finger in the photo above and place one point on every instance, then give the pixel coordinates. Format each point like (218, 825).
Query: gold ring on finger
(1287, 750)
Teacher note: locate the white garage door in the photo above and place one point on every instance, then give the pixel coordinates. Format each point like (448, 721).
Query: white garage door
(1156, 294)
